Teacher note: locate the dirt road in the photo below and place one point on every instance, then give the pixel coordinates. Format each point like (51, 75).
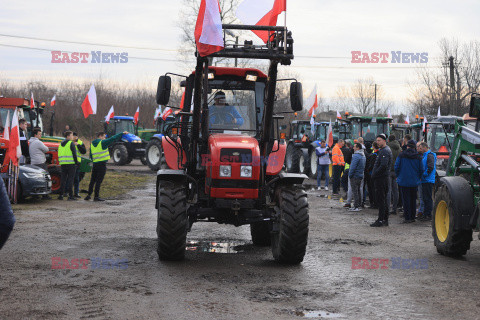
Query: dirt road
(238, 281)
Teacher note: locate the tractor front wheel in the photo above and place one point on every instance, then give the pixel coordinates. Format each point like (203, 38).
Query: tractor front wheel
(120, 155)
(313, 164)
(450, 240)
(172, 220)
(290, 226)
(153, 154)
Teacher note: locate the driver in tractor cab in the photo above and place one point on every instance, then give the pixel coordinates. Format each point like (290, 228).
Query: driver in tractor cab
(222, 113)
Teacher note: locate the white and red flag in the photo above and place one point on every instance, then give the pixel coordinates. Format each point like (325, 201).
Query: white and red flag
(407, 120)
(339, 116)
(157, 113)
(438, 112)
(424, 123)
(110, 115)
(389, 114)
(330, 135)
(14, 151)
(168, 111)
(261, 13)
(54, 100)
(208, 30)
(89, 105)
(312, 101)
(137, 114)
(6, 131)
(32, 102)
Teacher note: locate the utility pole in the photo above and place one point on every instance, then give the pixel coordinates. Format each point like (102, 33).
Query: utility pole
(375, 105)
(452, 86)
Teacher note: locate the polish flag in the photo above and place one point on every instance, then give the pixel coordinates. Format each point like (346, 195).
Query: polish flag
(312, 124)
(137, 114)
(168, 111)
(330, 134)
(54, 99)
(424, 123)
(312, 101)
(438, 113)
(407, 120)
(6, 131)
(14, 151)
(110, 115)
(339, 116)
(389, 114)
(89, 105)
(208, 30)
(157, 113)
(32, 102)
(261, 13)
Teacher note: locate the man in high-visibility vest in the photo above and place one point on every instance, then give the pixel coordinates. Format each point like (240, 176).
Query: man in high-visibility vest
(100, 155)
(81, 149)
(338, 165)
(67, 156)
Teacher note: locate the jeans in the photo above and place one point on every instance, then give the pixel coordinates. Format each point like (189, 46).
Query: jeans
(68, 174)
(76, 181)
(427, 197)
(392, 196)
(98, 173)
(337, 172)
(350, 195)
(409, 196)
(381, 190)
(7, 219)
(322, 170)
(356, 185)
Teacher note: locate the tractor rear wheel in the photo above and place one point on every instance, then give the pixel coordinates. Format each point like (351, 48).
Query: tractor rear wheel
(153, 154)
(313, 164)
(290, 226)
(447, 238)
(172, 221)
(260, 232)
(297, 163)
(120, 155)
(304, 163)
(289, 157)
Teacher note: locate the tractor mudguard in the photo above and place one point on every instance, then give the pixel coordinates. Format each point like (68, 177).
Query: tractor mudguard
(462, 198)
(287, 178)
(171, 153)
(276, 159)
(172, 175)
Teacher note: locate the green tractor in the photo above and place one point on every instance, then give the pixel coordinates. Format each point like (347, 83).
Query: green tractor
(457, 199)
(369, 127)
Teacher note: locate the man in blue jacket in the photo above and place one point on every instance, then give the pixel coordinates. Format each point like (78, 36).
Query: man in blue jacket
(409, 172)
(429, 162)
(355, 174)
(7, 220)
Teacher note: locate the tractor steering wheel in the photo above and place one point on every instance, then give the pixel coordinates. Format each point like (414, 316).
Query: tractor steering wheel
(216, 114)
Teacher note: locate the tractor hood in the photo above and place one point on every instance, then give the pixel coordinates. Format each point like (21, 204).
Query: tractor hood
(232, 141)
(130, 137)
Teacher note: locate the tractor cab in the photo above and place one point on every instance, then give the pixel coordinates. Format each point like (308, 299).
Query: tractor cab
(130, 146)
(369, 127)
(300, 131)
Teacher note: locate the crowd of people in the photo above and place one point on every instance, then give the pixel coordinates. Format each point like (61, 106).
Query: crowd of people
(69, 157)
(389, 172)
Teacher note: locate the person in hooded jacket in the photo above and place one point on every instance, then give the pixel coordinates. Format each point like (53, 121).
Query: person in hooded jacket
(429, 161)
(356, 174)
(392, 196)
(409, 171)
(371, 156)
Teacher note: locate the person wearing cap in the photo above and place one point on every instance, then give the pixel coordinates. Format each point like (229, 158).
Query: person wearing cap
(222, 113)
(409, 171)
(380, 176)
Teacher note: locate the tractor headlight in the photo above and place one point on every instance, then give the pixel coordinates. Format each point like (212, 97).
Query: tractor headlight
(246, 171)
(225, 171)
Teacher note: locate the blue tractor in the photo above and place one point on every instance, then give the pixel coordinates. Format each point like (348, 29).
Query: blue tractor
(130, 146)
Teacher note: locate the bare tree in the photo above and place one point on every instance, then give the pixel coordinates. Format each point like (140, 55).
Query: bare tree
(362, 96)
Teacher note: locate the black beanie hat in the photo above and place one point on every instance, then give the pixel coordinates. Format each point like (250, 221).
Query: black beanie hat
(383, 136)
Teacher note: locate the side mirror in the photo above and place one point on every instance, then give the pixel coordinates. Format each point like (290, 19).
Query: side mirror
(475, 105)
(163, 90)
(296, 96)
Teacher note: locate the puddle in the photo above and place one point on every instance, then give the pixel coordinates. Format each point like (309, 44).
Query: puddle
(318, 314)
(215, 247)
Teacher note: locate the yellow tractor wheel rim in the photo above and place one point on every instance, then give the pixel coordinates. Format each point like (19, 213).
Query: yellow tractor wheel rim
(442, 221)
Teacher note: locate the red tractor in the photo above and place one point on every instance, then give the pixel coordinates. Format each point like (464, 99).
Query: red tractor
(223, 158)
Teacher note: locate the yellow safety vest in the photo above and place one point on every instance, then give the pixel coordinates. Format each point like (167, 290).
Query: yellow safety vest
(80, 142)
(347, 166)
(65, 154)
(98, 153)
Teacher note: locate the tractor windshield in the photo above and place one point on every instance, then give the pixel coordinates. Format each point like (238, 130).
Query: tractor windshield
(235, 106)
(438, 138)
(369, 130)
(4, 112)
(124, 125)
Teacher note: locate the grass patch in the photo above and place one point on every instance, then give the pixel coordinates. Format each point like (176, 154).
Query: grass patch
(116, 184)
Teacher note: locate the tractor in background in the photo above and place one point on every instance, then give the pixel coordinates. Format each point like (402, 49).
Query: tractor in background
(457, 200)
(154, 152)
(300, 137)
(369, 127)
(130, 146)
(225, 157)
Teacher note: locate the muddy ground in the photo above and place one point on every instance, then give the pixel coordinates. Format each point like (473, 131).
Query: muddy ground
(238, 281)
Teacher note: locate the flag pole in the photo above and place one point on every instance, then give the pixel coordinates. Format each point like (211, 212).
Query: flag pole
(285, 32)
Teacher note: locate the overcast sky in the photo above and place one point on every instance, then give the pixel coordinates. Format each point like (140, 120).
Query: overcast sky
(320, 28)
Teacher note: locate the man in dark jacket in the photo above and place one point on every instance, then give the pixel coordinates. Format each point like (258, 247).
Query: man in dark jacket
(429, 161)
(356, 175)
(380, 176)
(409, 171)
(371, 156)
(392, 196)
(7, 219)
(347, 151)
